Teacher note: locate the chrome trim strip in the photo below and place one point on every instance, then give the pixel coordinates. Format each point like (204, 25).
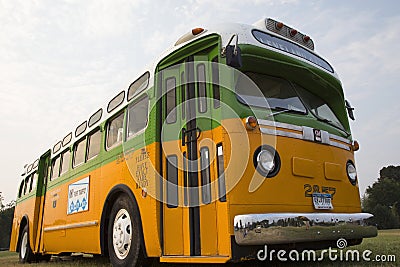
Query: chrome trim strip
(280, 125)
(339, 145)
(281, 133)
(307, 133)
(288, 228)
(339, 138)
(70, 226)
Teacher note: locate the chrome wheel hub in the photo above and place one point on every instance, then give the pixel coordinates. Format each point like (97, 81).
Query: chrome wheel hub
(24, 244)
(122, 234)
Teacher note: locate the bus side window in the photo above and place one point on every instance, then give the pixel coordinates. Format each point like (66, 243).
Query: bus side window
(215, 82)
(115, 130)
(94, 144)
(170, 85)
(65, 157)
(34, 181)
(205, 175)
(21, 188)
(55, 168)
(29, 183)
(26, 186)
(137, 116)
(201, 88)
(79, 152)
(172, 182)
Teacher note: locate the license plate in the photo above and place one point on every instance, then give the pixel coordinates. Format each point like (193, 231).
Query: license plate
(322, 201)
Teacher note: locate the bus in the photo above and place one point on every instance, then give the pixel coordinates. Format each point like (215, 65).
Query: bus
(237, 137)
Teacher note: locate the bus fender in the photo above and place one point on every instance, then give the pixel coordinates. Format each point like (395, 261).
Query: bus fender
(24, 221)
(111, 197)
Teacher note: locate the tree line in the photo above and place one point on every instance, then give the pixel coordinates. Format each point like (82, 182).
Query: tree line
(6, 219)
(382, 199)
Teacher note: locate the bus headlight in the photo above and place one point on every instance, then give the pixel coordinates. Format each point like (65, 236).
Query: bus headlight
(266, 161)
(351, 172)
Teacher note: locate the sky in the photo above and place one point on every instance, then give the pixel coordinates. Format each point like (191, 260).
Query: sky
(62, 60)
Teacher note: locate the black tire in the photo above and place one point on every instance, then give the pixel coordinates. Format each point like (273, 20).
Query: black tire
(44, 257)
(25, 252)
(124, 234)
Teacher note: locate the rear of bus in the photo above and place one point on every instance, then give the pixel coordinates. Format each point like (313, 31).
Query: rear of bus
(298, 186)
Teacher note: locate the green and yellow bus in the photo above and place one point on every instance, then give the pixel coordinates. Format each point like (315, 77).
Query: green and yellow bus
(236, 138)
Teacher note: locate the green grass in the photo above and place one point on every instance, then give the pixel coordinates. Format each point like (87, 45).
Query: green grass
(387, 243)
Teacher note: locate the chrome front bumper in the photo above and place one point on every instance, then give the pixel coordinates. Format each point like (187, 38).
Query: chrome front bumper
(288, 228)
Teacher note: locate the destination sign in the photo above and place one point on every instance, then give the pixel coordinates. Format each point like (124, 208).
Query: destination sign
(291, 48)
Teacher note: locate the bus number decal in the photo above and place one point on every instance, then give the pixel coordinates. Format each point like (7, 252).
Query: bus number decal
(78, 196)
(310, 189)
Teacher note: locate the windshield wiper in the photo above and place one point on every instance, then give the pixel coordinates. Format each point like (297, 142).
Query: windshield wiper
(284, 110)
(332, 124)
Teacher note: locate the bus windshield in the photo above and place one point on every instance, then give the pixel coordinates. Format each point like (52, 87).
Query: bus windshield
(283, 95)
(279, 93)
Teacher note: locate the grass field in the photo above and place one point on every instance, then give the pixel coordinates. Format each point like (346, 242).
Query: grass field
(387, 243)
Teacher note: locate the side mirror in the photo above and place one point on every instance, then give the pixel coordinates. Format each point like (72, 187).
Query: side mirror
(349, 110)
(233, 56)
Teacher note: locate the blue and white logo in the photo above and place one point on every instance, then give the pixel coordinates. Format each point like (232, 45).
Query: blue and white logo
(78, 196)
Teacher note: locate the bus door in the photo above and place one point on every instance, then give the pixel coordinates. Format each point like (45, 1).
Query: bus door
(44, 164)
(189, 212)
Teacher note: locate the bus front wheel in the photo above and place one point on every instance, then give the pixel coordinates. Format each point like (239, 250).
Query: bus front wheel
(124, 234)
(25, 252)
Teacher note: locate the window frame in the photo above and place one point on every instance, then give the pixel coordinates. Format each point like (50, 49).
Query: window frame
(221, 173)
(131, 105)
(95, 118)
(34, 177)
(200, 85)
(97, 130)
(74, 165)
(205, 175)
(81, 129)
(21, 188)
(53, 161)
(119, 99)
(108, 123)
(27, 182)
(143, 81)
(62, 172)
(170, 119)
(172, 187)
(216, 82)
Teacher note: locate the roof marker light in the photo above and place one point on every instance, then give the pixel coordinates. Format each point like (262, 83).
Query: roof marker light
(279, 26)
(306, 38)
(293, 32)
(197, 31)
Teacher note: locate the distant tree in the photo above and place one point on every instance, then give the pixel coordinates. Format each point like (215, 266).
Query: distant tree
(382, 199)
(6, 219)
(1, 201)
(392, 172)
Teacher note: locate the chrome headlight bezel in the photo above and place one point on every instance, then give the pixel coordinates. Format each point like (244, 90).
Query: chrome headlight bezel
(351, 172)
(266, 160)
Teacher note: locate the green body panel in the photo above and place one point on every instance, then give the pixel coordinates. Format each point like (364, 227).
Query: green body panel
(255, 59)
(195, 47)
(312, 78)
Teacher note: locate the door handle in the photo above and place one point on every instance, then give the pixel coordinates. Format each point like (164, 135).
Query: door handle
(185, 132)
(183, 136)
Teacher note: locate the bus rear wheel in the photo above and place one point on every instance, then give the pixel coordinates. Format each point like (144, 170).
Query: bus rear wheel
(124, 234)
(25, 252)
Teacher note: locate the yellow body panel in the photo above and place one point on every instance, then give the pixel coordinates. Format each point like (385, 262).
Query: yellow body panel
(24, 208)
(306, 167)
